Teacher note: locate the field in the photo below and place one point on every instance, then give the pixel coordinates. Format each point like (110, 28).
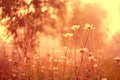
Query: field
(59, 40)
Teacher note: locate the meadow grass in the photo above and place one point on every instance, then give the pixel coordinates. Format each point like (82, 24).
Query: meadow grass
(67, 63)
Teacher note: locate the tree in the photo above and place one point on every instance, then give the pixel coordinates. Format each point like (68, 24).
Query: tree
(27, 18)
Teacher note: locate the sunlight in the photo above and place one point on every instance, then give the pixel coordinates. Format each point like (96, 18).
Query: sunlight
(3, 33)
(59, 39)
(48, 44)
(113, 9)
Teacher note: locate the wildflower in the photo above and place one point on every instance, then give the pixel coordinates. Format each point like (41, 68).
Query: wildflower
(65, 47)
(57, 51)
(104, 79)
(53, 16)
(55, 68)
(88, 26)
(23, 74)
(43, 67)
(55, 60)
(91, 58)
(68, 35)
(82, 50)
(33, 65)
(9, 60)
(60, 61)
(117, 59)
(14, 75)
(95, 65)
(75, 27)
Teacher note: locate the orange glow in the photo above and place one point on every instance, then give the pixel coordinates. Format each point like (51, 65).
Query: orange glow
(44, 8)
(48, 44)
(113, 9)
(28, 1)
(3, 34)
(23, 10)
(59, 40)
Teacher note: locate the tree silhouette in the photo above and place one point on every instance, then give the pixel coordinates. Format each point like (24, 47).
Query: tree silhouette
(27, 18)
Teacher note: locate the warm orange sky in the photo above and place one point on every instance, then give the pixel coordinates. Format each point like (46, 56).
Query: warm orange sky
(113, 9)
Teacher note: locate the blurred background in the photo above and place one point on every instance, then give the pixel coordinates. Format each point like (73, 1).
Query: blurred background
(43, 22)
(44, 28)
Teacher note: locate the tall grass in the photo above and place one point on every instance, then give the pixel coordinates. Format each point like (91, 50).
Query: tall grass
(70, 62)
